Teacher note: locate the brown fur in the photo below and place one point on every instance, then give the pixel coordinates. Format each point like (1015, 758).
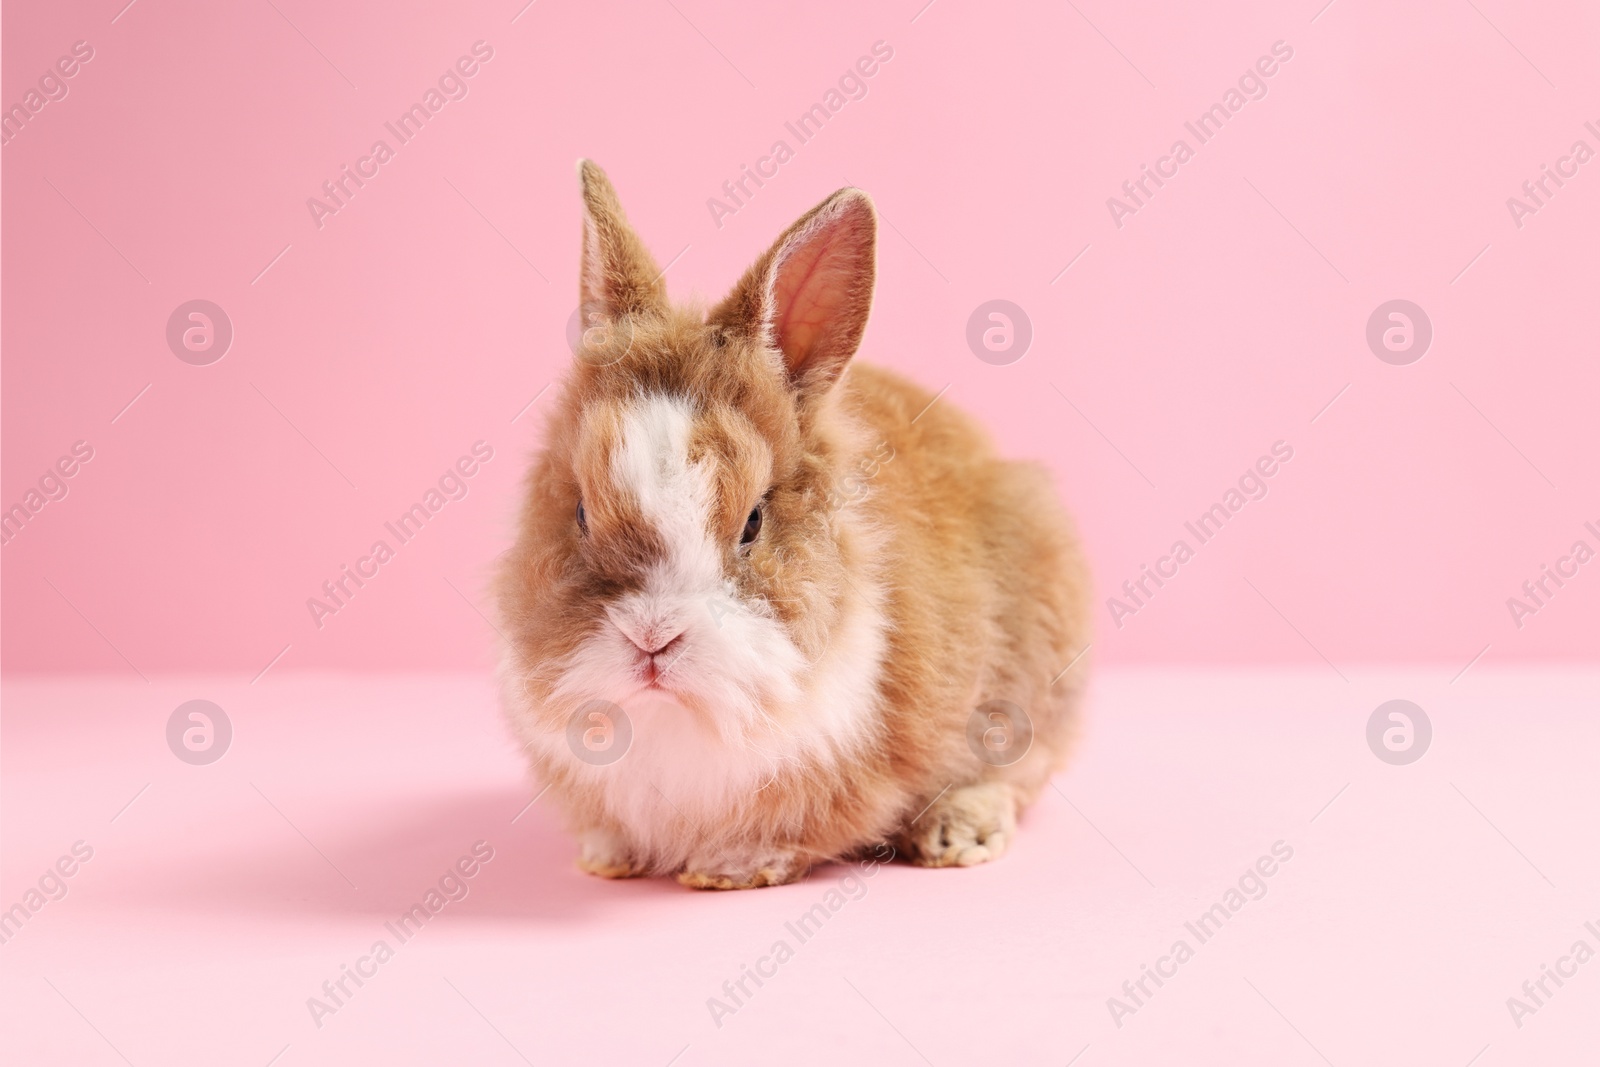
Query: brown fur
(967, 557)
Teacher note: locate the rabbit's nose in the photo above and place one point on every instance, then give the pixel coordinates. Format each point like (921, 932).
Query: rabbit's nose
(652, 643)
(667, 646)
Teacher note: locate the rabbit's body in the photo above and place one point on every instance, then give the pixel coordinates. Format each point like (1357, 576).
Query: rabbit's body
(883, 659)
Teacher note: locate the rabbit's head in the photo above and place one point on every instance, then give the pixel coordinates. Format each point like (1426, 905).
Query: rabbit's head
(684, 531)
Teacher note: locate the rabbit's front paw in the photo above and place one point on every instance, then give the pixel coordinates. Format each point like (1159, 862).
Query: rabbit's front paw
(721, 871)
(607, 855)
(966, 826)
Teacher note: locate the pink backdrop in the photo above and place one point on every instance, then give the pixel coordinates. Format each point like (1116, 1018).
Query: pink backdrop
(1223, 315)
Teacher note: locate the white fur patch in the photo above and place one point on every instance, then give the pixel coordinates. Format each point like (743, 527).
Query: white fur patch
(750, 704)
(674, 496)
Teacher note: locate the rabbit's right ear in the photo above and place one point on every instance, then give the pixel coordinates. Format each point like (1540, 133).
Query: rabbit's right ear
(618, 276)
(809, 296)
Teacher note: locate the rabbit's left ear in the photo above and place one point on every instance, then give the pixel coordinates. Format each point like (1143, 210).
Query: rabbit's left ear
(618, 276)
(810, 294)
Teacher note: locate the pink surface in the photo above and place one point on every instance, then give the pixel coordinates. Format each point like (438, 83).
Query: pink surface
(219, 898)
(1171, 346)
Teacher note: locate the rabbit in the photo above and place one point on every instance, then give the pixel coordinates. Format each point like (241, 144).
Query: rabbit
(768, 607)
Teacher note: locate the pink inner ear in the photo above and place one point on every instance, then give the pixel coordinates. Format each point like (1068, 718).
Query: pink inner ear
(807, 293)
(815, 294)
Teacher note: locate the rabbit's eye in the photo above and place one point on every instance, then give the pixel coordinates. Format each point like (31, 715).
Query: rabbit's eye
(583, 521)
(752, 526)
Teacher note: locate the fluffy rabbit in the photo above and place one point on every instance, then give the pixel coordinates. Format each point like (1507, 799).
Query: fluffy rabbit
(768, 608)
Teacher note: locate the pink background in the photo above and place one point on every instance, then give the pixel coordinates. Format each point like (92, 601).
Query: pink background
(429, 311)
(219, 898)
(368, 355)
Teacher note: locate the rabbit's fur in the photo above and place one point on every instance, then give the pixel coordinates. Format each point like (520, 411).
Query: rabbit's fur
(832, 683)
